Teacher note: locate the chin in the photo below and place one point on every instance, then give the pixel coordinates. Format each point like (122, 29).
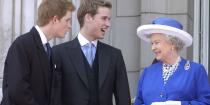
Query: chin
(158, 58)
(61, 36)
(101, 37)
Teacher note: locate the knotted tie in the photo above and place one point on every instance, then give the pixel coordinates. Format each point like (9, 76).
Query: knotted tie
(90, 53)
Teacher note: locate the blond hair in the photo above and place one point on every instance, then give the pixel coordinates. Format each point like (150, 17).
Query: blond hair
(50, 8)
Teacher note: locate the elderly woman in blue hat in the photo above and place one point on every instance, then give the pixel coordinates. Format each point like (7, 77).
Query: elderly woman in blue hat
(173, 80)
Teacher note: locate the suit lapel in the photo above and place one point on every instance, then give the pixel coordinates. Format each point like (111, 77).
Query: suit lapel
(44, 62)
(103, 61)
(76, 56)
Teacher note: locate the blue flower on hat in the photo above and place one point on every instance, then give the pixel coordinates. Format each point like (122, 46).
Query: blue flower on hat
(168, 22)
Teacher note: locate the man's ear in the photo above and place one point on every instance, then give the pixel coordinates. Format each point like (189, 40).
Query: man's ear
(54, 19)
(88, 17)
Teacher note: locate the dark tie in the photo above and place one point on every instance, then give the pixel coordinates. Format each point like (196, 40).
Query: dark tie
(49, 51)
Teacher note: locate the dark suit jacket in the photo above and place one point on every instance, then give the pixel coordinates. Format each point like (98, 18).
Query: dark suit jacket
(27, 74)
(112, 75)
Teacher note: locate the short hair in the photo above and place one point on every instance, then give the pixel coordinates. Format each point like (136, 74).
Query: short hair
(177, 42)
(90, 7)
(50, 8)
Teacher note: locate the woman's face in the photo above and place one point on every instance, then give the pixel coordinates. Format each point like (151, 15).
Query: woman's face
(161, 46)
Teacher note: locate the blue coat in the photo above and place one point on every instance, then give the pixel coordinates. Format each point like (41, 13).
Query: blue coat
(189, 84)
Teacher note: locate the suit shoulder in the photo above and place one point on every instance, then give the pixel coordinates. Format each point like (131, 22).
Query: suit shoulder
(195, 64)
(62, 45)
(153, 67)
(109, 47)
(22, 44)
(23, 40)
(197, 67)
(61, 48)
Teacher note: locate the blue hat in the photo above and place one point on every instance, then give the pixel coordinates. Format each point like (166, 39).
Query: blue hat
(166, 26)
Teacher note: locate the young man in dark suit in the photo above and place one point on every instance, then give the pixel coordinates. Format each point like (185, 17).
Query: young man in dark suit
(30, 75)
(92, 71)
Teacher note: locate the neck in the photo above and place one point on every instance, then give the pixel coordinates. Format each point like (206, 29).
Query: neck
(172, 59)
(87, 35)
(47, 32)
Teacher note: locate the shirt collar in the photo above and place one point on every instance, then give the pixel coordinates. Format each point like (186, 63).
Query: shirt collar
(83, 41)
(41, 34)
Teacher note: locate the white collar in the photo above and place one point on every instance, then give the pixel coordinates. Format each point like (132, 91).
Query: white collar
(83, 41)
(41, 34)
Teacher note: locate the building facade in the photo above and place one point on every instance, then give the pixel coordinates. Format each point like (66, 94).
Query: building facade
(18, 16)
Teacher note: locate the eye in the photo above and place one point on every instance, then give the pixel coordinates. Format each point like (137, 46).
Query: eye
(68, 20)
(155, 43)
(105, 18)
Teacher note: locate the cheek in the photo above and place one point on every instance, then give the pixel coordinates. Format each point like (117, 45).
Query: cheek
(166, 50)
(158, 47)
(99, 24)
(61, 30)
(64, 25)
